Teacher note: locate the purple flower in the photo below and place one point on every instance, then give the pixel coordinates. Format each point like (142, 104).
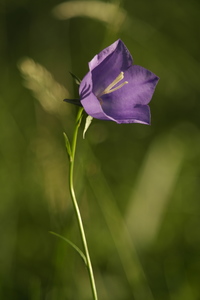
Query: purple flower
(115, 89)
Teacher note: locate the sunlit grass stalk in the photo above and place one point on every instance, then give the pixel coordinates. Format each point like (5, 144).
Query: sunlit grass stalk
(76, 207)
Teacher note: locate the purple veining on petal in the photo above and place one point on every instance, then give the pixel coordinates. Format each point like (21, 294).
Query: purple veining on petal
(85, 91)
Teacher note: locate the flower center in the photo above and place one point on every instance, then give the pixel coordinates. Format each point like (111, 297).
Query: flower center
(111, 87)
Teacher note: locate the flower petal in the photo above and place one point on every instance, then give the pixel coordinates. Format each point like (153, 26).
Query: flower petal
(93, 108)
(86, 85)
(141, 114)
(130, 101)
(118, 47)
(108, 64)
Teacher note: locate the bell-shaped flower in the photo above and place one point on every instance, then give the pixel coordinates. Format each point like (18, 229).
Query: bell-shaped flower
(115, 89)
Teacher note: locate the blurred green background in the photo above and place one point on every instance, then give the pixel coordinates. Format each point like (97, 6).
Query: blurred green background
(138, 186)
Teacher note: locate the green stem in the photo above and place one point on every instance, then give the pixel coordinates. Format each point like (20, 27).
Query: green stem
(76, 207)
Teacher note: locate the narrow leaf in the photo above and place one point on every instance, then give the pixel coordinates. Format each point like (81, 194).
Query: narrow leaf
(87, 124)
(72, 245)
(76, 79)
(67, 145)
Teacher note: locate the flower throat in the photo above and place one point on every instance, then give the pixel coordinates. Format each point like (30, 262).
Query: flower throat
(111, 87)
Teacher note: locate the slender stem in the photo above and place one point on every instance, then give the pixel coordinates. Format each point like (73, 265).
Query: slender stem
(76, 207)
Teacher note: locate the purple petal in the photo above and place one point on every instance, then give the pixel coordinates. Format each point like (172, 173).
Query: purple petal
(140, 114)
(107, 65)
(93, 108)
(86, 86)
(117, 47)
(129, 103)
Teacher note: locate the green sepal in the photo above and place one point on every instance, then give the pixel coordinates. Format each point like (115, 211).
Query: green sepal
(72, 245)
(76, 79)
(67, 145)
(73, 101)
(87, 124)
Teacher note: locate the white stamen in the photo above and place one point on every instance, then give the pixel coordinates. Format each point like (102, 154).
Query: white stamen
(110, 88)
